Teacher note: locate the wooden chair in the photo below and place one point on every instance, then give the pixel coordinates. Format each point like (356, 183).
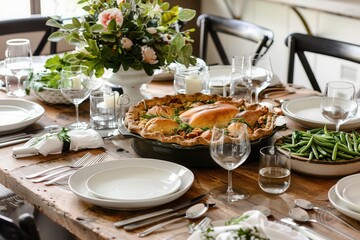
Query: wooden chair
(299, 43)
(34, 23)
(213, 25)
(26, 230)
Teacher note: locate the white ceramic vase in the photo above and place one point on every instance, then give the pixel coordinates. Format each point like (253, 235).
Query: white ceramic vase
(131, 81)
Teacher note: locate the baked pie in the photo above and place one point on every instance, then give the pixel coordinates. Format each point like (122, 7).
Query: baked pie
(187, 120)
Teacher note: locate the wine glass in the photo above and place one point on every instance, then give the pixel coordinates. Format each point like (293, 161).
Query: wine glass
(18, 64)
(230, 149)
(240, 78)
(261, 73)
(76, 86)
(339, 104)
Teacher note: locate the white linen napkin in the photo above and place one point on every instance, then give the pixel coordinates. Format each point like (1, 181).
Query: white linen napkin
(49, 143)
(254, 219)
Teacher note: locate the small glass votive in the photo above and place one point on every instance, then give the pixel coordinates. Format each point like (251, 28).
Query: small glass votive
(102, 110)
(274, 170)
(192, 79)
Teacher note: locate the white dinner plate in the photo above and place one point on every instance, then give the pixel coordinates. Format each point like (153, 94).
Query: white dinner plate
(306, 111)
(77, 183)
(342, 184)
(133, 183)
(17, 114)
(340, 205)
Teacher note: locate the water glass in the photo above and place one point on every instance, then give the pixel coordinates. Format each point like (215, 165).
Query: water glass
(274, 170)
(102, 110)
(240, 78)
(18, 64)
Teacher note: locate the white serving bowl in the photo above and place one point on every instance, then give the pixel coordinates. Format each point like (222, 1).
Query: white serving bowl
(52, 96)
(323, 168)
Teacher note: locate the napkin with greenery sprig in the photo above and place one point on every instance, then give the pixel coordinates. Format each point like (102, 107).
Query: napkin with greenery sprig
(56, 143)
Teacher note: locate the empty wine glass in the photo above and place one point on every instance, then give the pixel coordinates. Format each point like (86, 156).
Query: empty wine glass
(76, 86)
(240, 78)
(230, 149)
(261, 73)
(18, 64)
(339, 104)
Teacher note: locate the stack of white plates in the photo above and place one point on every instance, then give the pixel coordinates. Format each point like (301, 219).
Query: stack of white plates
(132, 183)
(345, 196)
(306, 111)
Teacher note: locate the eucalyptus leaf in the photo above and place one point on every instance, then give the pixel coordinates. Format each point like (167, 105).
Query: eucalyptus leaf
(186, 14)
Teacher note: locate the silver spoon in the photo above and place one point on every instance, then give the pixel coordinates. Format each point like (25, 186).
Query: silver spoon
(193, 212)
(289, 222)
(301, 215)
(307, 205)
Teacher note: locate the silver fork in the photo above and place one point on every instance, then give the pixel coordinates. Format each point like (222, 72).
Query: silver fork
(79, 163)
(75, 164)
(202, 225)
(95, 160)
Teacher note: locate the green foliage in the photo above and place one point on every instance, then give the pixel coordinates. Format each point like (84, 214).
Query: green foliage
(151, 24)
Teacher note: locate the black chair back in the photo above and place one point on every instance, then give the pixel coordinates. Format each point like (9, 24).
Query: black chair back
(26, 230)
(299, 43)
(34, 23)
(213, 25)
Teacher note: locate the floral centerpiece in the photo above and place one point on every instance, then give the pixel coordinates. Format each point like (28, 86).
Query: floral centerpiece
(120, 34)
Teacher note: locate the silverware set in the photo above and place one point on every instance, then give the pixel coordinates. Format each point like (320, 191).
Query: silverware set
(12, 139)
(55, 174)
(168, 215)
(298, 214)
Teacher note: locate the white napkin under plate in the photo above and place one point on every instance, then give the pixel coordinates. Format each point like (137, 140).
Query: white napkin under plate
(255, 220)
(49, 143)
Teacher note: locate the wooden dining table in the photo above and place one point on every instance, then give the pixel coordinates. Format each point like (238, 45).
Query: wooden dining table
(87, 221)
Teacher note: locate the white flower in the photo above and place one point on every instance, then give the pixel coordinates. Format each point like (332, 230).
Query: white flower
(151, 30)
(157, 9)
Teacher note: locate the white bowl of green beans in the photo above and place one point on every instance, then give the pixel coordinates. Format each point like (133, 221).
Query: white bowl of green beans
(321, 152)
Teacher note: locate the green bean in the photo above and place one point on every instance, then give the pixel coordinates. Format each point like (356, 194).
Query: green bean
(314, 150)
(308, 145)
(333, 157)
(321, 150)
(354, 142)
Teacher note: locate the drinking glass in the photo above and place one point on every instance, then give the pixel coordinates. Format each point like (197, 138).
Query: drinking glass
(339, 104)
(230, 149)
(274, 170)
(18, 64)
(240, 78)
(76, 86)
(260, 75)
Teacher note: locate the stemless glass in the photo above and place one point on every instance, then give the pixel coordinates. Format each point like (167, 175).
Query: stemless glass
(261, 73)
(230, 149)
(76, 86)
(339, 104)
(18, 64)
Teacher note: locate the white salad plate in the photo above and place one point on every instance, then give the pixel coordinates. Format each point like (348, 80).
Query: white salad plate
(77, 183)
(133, 183)
(17, 114)
(342, 191)
(340, 205)
(306, 111)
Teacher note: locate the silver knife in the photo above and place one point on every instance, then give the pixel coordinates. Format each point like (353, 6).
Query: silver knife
(304, 230)
(160, 212)
(16, 141)
(160, 218)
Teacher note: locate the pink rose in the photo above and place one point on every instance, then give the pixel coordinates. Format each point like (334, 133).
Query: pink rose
(126, 43)
(106, 16)
(149, 55)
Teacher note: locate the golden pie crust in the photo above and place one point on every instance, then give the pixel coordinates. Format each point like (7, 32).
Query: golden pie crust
(187, 120)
